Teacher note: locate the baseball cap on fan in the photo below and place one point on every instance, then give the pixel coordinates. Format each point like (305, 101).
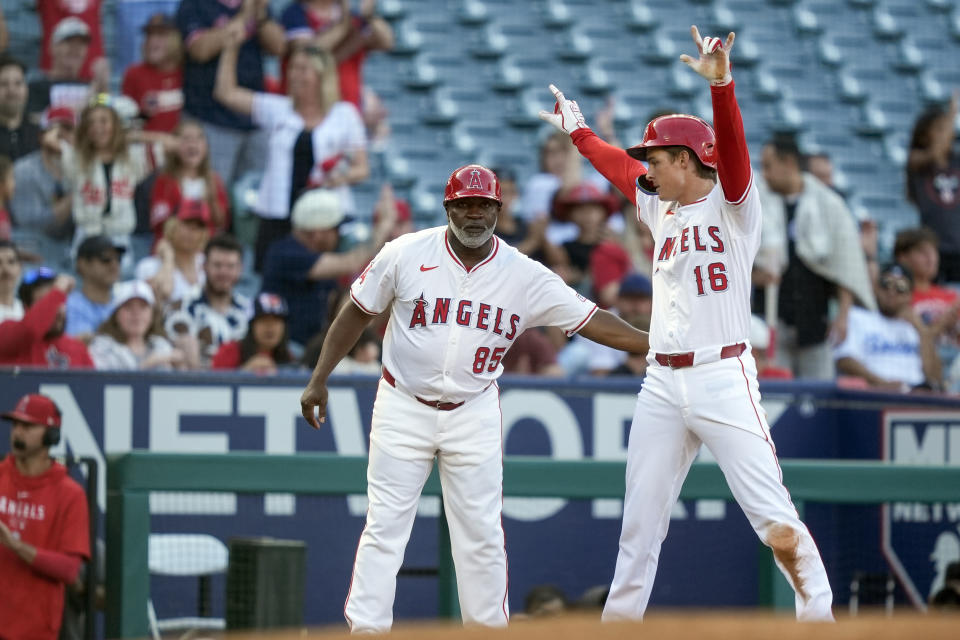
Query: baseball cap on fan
(133, 290)
(35, 408)
(317, 209)
(71, 27)
(270, 304)
(57, 115)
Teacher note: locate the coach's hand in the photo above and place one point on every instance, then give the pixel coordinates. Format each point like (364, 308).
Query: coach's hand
(566, 114)
(714, 61)
(315, 395)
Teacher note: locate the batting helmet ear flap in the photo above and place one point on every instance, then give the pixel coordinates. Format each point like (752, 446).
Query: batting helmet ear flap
(51, 437)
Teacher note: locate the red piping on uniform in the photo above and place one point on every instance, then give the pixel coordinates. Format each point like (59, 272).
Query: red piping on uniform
(353, 575)
(496, 247)
(746, 192)
(582, 322)
(694, 202)
(760, 422)
(362, 308)
(506, 563)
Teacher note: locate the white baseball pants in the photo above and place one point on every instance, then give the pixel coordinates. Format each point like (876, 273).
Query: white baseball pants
(405, 437)
(717, 404)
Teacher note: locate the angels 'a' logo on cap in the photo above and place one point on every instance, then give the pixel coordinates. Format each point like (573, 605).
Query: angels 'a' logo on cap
(475, 180)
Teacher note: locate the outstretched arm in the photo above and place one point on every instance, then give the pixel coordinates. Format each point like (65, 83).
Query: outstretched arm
(610, 330)
(733, 159)
(614, 163)
(342, 335)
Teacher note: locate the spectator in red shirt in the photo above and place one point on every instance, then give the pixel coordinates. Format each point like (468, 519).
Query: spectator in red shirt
(38, 339)
(329, 24)
(156, 84)
(265, 347)
(65, 84)
(938, 307)
(188, 175)
(53, 12)
(44, 526)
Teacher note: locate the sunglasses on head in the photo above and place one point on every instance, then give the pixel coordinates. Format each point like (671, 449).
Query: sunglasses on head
(40, 273)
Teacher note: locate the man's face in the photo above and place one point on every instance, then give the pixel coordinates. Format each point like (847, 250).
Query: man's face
(472, 220)
(635, 309)
(668, 174)
(102, 270)
(893, 294)
(923, 261)
(26, 439)
(778, 172)
(13, 91)
(10, 269)
(69, 55)
(223, 270)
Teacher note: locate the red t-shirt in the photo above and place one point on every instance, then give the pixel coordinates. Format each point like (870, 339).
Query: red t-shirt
(23, 341)
(933, 303)
(53, 11)
(165, 200)
(227, 356)
(159, 95)
(49, 512)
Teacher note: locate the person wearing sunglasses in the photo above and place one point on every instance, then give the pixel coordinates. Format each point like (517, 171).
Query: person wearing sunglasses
(38, 340)
(98, 264)
(890, 349)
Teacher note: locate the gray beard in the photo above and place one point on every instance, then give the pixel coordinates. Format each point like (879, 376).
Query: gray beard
(468, 240)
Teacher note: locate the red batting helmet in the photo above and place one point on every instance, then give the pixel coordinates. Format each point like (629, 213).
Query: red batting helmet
(472, 181)
(679, 130)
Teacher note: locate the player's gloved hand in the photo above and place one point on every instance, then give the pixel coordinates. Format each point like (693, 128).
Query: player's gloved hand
(714, 61)
(566, 114)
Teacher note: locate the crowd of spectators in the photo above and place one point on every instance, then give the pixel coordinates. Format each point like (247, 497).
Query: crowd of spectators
(133, 192)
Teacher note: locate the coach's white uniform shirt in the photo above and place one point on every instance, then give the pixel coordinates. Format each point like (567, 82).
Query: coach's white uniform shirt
(449, 327)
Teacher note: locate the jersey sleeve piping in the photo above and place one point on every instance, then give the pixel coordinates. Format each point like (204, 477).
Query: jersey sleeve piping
(582, 322)
(640, 186)
(360, 305)
(746, 192)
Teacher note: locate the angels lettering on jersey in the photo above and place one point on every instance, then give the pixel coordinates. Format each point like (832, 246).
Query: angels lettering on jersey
(483, 316)
(698, 239)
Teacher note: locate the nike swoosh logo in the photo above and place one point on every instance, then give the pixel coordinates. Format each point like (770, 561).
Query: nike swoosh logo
(423, 268)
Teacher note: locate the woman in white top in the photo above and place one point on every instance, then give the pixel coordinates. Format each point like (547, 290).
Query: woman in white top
(315, 138)
(101, 170)
(130, 338)
(175, 271)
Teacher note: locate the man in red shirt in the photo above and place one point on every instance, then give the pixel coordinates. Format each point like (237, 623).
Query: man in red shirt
(44, 524)
(38, 339)
(156, 84)
(53, 11)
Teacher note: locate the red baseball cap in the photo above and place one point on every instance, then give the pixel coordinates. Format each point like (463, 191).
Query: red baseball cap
(35, 408)
(583, 193)
(194, 210)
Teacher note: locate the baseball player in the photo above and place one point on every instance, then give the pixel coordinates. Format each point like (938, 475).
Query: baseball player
(701, 382)
(458, 298)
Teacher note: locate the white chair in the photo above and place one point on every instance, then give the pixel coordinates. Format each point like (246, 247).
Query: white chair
(185, 554)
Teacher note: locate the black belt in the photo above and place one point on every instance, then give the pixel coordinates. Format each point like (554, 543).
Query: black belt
(681, 360)
(436, 404)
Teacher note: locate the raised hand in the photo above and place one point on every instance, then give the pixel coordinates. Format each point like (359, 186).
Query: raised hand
(714, 61)
(566, 114)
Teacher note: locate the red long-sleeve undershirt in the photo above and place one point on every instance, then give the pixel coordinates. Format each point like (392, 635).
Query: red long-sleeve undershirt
(733, 159)
(56, 565)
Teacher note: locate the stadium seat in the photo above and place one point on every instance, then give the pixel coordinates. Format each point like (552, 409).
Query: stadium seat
(557, 15)
(185, 554)
(573, 45)
(885, 26)
(640, 17)
(806, 21)
(473, 12)
(872, 121)
(489, 42)
(910, 58)
(829, 53)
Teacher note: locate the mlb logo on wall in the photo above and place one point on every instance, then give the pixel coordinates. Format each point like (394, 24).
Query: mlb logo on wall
(921, 539)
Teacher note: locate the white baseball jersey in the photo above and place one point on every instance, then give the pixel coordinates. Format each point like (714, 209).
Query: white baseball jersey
(702, 263)
(450, 327)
